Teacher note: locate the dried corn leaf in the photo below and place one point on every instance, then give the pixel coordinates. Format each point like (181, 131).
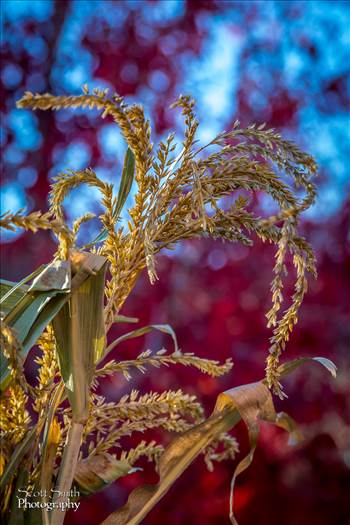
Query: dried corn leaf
(248, 402)
(95, 472)
(254, 403)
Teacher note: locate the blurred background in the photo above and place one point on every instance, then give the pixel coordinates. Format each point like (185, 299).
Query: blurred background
(281, 62)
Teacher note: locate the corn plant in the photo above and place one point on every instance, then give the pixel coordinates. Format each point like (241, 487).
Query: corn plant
(59, 433)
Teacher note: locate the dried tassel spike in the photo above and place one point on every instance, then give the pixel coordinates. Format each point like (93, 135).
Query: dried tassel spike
(150, 261)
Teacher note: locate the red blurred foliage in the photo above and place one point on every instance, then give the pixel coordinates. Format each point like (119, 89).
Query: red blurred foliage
(219, 313)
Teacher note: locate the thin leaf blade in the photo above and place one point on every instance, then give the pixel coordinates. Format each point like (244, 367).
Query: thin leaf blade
(126, 181)
(124, 190)
(164, 328)
(290, 366)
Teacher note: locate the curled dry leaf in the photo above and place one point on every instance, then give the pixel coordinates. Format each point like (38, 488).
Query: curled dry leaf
(97, 471)
(251, 403)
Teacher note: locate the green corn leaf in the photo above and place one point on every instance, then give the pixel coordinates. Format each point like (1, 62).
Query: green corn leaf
(36, 329)
(287, 368)
(124, 190)
(80, 332)
(126, 181)
(251, 403)
(54, 279)
(41, 303)
(35, 309)
(11, 293)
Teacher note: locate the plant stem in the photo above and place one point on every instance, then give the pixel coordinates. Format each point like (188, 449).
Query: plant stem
(67, 470)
